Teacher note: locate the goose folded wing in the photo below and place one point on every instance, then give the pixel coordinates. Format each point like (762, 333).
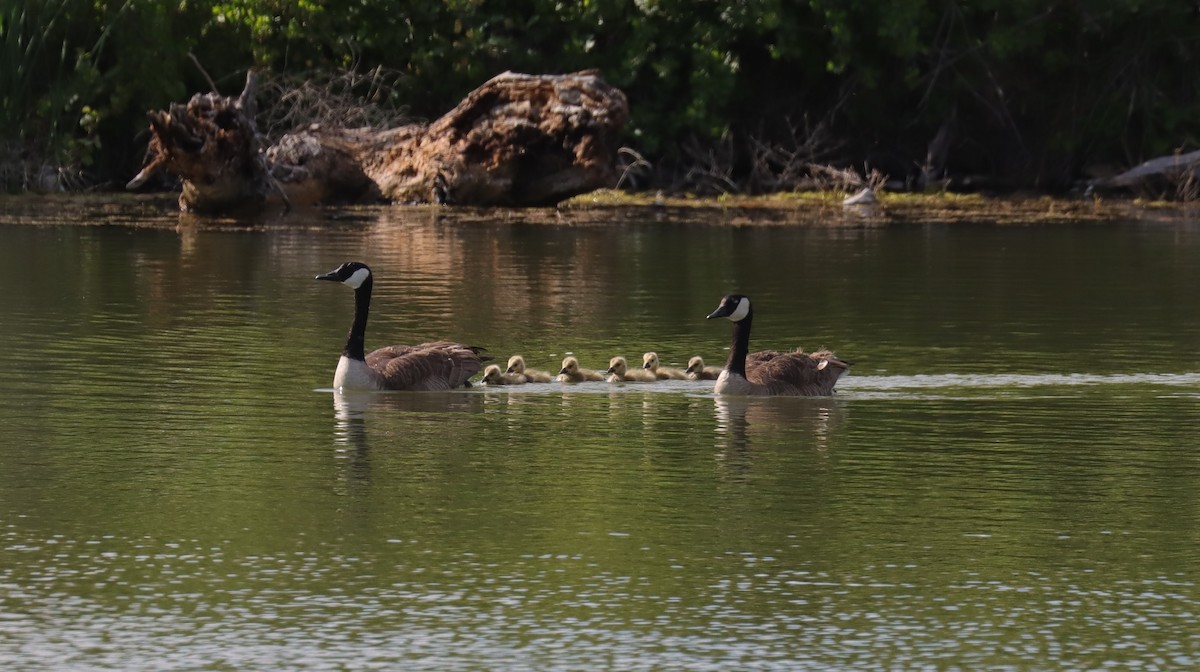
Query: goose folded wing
(441, 365)
(792, 372)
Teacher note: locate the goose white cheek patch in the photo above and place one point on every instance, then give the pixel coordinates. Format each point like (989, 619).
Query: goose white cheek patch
(355, 281)
(741, 311)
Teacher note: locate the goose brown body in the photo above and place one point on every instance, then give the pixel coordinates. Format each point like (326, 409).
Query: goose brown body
(436, 365)
(772, 373)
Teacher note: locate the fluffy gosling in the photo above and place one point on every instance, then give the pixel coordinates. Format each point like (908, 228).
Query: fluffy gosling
(516, 365)
(571, 372)
(650, 363)
(492, 375)
(696, 370)
(618, 370)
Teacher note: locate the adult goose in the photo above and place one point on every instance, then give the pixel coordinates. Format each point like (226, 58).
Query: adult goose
(440, 365)
(769, 373)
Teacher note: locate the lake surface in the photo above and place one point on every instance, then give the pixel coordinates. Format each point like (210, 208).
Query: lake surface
(1009, 478)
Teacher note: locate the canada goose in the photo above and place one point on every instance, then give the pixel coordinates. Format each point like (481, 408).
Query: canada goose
(698, 371)
(618, 370)
(769, 372)
(516, 364)
(492, 375)
(440, 365)
(650, 363)
(571, 372)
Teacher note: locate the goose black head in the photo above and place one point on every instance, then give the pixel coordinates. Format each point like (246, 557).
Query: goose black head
(352, 274)
(734, 307)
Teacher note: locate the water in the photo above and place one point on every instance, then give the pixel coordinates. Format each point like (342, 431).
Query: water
(1006, 480)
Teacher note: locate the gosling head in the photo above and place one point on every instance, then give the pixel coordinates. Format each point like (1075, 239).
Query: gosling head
(618, 366)
(650, 361)
(352, 274)
(734, 307)
(570, 365)
(516, 364)
(695, 365)
(491, 374)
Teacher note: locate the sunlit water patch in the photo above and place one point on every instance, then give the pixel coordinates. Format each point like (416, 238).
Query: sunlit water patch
(617, 599)
(1006, 480)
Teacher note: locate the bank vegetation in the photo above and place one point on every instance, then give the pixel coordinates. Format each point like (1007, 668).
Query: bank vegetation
(743, 97)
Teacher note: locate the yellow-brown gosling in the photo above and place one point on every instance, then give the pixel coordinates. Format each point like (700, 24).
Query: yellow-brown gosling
(618, 370)
(492, 375)
(516, 364)
(571, 372)
(650, 363)
(698, 371)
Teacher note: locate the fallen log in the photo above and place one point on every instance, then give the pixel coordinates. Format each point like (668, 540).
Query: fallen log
(517, 140)
(1175, 172)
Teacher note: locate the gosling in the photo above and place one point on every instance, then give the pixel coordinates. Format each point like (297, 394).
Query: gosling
(492, 375)
(618, 370)
(516, 365)
(698, 371)
(573, 373)
(650, 363)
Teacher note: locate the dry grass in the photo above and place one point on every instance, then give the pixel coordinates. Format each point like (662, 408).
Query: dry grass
(349, 99)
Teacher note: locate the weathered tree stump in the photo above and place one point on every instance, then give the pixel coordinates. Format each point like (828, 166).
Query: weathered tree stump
(517, 140)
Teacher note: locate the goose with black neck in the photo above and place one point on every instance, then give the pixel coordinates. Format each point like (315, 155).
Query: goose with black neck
(771, 373)
(438, 365)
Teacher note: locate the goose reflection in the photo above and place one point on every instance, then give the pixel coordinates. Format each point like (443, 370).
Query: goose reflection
(350, 433)
(353, 411)
(744, 421)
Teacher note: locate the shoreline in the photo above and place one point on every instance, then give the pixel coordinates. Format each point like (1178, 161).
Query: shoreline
(816, 208)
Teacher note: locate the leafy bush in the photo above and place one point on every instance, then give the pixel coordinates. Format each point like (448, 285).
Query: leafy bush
(1023, 89)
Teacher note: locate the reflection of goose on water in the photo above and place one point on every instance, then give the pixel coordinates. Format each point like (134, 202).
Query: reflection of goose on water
(571, 372)
(650, 363)
(440, 365)
(805, 421)
(516, 364)
(618, 370)
(698, 371)
(768, 372)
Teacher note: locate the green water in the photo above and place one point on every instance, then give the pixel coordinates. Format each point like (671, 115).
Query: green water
(1008, 479)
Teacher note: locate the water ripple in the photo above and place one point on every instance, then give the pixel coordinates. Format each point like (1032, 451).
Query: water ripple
(949, 380)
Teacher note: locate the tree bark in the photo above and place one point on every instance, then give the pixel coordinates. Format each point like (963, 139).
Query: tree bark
(517, 140)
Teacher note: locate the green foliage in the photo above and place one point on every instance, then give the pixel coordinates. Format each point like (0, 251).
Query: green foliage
(77, 76)
(1037, 89)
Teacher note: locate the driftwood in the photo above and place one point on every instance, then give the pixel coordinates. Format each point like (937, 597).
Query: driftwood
(517, 140)
(1179, 172)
